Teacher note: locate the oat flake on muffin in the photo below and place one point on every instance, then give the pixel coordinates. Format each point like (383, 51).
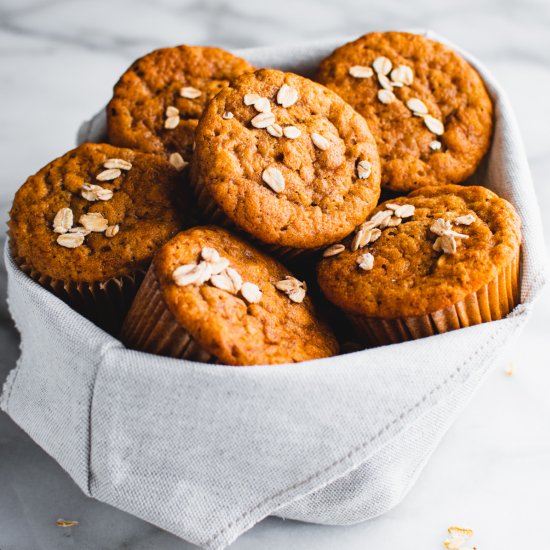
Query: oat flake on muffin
(298, 176)
(158, 101)
(426, 106)
(211, 296)
(453, 262)
(89, 236)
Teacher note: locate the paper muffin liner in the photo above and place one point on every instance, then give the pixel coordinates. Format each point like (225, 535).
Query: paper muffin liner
(214, 214)
(490, 303)
(105, 303)
(151, 327)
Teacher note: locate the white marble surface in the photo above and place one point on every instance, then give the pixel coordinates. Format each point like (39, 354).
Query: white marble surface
(58, 62)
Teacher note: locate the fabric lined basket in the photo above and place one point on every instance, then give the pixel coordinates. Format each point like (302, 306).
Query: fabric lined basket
(206, 451)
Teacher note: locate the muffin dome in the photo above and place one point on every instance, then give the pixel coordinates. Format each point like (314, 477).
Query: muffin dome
(286, 160)
(96, 213)
(426, 106)
(210, 295)
(428, 252)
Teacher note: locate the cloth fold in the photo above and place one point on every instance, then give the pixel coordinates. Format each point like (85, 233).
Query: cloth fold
(207, 451)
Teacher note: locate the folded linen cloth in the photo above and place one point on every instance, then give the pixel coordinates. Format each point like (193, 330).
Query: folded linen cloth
(207, 451)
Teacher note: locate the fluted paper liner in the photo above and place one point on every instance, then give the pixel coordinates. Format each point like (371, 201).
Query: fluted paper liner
(103, 302)
(491, 302)
(151, 327)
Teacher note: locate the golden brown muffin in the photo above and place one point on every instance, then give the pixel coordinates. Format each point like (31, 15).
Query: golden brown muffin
(441, 258)
(286, 160)
(426, 106)
(88, 223)
(211, 296)
(158, 101)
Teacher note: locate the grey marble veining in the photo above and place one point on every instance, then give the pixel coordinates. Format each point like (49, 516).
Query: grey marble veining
(58, 62)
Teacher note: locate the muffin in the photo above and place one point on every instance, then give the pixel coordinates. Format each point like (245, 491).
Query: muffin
(158, 101)
(86, 225)
(212, 297)
(426, 106)
(285, 160)
(442, 258)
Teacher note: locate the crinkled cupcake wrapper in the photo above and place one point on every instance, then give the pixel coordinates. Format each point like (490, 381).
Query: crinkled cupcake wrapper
(151, 327)
(105, 303)
(491, 302)
(214, 214)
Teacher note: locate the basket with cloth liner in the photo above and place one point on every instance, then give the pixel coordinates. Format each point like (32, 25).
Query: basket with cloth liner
(206, 451)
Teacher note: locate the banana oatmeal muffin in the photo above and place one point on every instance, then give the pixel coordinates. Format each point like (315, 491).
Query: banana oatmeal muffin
(86, 225)
(158, 101)
(286, 160)
(426, 106)
(441, 258)
(212, 297)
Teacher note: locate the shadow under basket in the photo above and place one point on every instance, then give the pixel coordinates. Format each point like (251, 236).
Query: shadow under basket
(490, 303)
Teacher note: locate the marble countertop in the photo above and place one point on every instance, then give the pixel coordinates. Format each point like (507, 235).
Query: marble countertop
(59, 60)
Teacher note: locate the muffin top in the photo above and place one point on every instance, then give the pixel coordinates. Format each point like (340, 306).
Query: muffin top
(423, 252)
(223, 292)
(426, 106)
(95, 213)
(286, 160)
(158, 101)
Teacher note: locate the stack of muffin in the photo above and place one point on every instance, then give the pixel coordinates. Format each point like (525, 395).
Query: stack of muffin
(220, 183)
